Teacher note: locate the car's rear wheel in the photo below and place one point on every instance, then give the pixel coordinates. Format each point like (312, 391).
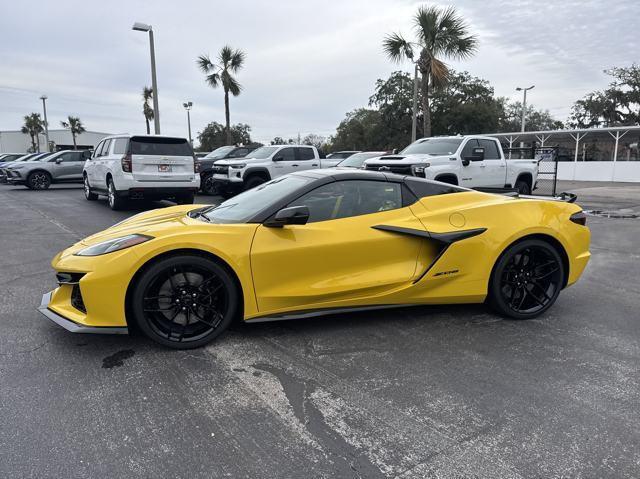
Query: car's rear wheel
(88, 194)
(523, 187)
(39, 180)
(115, 202)
(209, 185)
(526, 279)
(184, 301)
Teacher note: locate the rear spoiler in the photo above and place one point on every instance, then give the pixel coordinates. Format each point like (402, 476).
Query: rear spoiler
(566, 197)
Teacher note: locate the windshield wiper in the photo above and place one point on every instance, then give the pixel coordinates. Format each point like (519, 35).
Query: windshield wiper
(199, 214)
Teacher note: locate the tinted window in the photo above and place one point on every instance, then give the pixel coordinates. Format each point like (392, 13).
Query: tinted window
(490, 149)
(434, 146)
(422, 188)
(305, 154)
(468, 148)
(248, 204)
(343, 199)
(141, 145)
(120, 146)
(239, 153)
(219, 153)
(286, 154)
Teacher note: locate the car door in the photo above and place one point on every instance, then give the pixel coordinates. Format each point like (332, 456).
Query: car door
(306, 158)
(91, 165)
(495, 166)
(341, 254)
(63, 166)
(284, 161)
(474, 174)
(76, 165)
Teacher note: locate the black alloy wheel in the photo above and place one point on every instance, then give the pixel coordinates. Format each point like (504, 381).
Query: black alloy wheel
(185, 301)
(526, 280)
(209, 185)
(39, 180)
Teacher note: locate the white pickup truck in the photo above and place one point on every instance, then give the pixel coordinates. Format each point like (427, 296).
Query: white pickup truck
(470, 161)
(263, 164)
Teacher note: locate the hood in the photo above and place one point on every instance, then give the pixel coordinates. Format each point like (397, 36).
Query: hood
(233, 161)
(406, 159)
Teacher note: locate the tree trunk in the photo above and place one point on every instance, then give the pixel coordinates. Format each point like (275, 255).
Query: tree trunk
(147, 122)
(227, 117)
(73, 135)
(33, 143)
(426, 109)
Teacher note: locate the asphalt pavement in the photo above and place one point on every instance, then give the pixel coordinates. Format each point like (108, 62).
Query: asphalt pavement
(445, 392)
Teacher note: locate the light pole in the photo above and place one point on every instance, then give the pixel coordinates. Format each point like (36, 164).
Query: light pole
(187, 106)
(143, 27)
(414, 119)
(524, 103)
(46, 124)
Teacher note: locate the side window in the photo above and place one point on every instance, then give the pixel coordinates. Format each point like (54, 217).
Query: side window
(344, 199)
(96, 152)
(105, 148)
(120, 146)
(468, 148)
(305, 154)
(239, 153)
(76, 156)
(286, 154)
(491, 151)
(67, 156)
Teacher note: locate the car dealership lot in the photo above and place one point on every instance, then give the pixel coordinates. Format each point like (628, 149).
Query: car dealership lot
(416, 392)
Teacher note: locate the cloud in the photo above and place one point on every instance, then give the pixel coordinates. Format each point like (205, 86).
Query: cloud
(308, 63)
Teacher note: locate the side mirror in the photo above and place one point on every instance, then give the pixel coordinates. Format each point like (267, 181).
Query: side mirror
(58, 161)
(295, 215)
(476, 155)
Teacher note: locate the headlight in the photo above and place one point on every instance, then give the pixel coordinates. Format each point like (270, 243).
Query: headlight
(238, 166)
(418, 170)
(112, 245)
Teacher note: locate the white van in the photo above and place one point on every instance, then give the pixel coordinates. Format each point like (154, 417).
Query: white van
(126, 167)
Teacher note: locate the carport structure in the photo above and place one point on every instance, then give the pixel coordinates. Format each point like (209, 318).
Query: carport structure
(588, 154)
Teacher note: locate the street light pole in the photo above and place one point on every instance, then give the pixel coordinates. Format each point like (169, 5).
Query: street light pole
(143, 27)
(46, 123)
(414, 119)
(187, 106)
(524, 103)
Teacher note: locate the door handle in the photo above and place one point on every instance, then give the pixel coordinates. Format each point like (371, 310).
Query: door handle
(294, 165)
(314, 164)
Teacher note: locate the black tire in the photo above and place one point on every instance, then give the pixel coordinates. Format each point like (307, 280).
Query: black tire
(526, 279)
(38, 180)
(186, 199)
(184, 301)
(252, 182)
(88, 194)
(209, 185)
(523, 187)
(115, 202)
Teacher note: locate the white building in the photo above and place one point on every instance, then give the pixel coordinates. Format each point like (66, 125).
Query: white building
(14, 141)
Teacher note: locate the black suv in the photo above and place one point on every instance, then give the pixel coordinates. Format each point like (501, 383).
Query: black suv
(207, 184)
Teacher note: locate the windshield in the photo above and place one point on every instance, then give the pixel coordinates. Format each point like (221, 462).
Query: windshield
(220, 152)
(356, 161)
(263, 152)
(433, 146)
(246, 205)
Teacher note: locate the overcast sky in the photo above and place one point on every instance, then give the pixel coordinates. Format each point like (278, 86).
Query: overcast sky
(308, 62)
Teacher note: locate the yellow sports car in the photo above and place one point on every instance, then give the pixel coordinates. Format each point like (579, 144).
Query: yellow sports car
(314, 242)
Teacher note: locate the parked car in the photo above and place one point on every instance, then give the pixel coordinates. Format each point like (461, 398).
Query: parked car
(316, 242)
(6, 157)
(201, 154)
(341, 155)
(126, 167)
(264, 164)
(59, 167)
(25, 157)
(357, 160)
(207, 182)
(471, 161)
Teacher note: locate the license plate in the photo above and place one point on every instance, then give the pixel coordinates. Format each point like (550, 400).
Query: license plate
(164, 168)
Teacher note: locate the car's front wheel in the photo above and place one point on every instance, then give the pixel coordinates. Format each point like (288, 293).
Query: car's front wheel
(184, 301)
(39, 180)
(209, 185)
(526, 279)
(88, 194)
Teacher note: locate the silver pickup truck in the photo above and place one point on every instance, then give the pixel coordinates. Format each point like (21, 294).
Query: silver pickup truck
(471, 161)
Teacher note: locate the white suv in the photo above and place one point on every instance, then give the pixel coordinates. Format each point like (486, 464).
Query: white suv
(126, 167)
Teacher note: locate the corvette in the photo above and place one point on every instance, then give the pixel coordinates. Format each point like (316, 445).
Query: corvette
(314, 242)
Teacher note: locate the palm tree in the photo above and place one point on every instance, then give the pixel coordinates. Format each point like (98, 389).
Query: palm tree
(33, 126)
(229, 61)
(441, 33)
(76, 127)
(147, 111)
